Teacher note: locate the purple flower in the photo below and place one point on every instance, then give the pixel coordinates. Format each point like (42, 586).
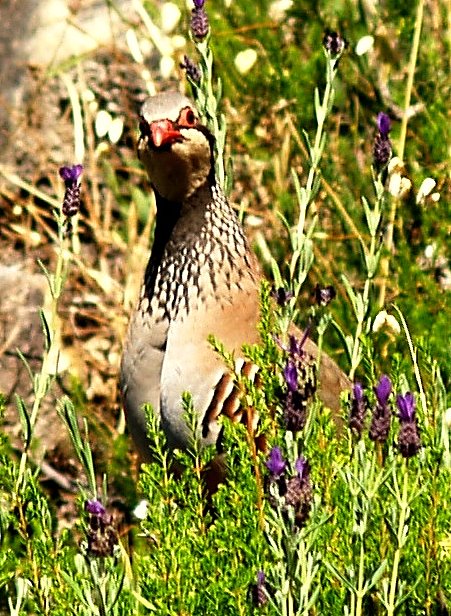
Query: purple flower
(101, 534)
(324, 295)
(301, 466)
(299, 492)
(199, 21)
(357, 392)
(296, 491)
(383, 390)
(275, 463)
(380, 423)
(71, 202)
(259, 596)
(295, 410)
(383, 124)
(300, 379)
(382, 149)
(191, 69)
(382, 152)
(358, 410)
(406, 407)
(290, 374)
(95, 507)
(71, 174)
(296, 346)
(409, 442)
(334, 43)
(281, 295)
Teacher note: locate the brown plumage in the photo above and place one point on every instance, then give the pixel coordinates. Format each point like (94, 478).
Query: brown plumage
(201, 279)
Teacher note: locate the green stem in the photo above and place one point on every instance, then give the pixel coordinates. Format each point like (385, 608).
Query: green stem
(385, 266)
(360, 590)
(42, 380)
(416, 368)
(404, 504)
(300, 262)
(210, 109)
(361, 317)
(410, 77)
(315, 154)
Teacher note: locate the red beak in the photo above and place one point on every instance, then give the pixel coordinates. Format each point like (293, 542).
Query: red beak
(163, 132)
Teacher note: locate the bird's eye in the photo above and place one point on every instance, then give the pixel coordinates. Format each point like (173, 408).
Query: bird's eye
(187, 118)
(144, 129)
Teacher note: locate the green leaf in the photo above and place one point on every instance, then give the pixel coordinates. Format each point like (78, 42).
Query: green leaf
(25, 422)
(45, 329)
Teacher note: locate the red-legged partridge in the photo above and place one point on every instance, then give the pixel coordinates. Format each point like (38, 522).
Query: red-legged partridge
(201, 279)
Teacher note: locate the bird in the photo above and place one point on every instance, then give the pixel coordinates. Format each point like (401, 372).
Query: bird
(201, 279)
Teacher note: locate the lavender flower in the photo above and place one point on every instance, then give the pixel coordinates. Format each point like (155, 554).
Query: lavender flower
(281, 295)
(71, 174)
(191, 69)
(296, 345)
(259, 597)
(324, 295)
(382, 149)
(95, 507)
(290, 374)
(275, 463)
(409, 442)
(296, 491)
(406, 407)
(383, 390)
(380, 423)
(199, 20)
(101, 534)
(299, 492)
(358, 410)
(301, 466)
(300, 380)
(295, 410)
(71, 202)
(334, 43)
(383, 124)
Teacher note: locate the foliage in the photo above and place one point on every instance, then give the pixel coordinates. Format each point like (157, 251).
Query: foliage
(319, 513)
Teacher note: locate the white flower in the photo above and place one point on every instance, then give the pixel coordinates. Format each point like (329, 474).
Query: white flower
(254, 221)
(245, 60)
(134, 47)
(385, 320)
(106, 125)
(426, 187)
(170, 16)
(166, 66)
(429, 251)
(399, 186)
(178, 41)
(140, 511)
(90, 99)
(115, 130)
(395, 165)
(278, 9)
(364, 45)
(102, 123)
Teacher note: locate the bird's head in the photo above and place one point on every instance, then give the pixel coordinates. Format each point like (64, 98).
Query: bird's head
(174, 147)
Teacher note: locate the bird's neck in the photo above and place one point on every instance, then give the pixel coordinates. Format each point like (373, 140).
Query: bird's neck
(202, 233)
